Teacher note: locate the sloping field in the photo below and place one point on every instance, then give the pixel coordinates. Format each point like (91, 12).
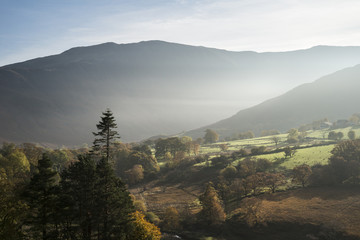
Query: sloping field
(335, 208)
(310, 156)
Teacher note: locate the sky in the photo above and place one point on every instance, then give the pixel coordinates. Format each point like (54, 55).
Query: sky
(37, 28)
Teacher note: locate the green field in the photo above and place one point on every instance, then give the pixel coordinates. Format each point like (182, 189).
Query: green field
(310, 156)
(245, 143)
(320, 134)
(313, 137)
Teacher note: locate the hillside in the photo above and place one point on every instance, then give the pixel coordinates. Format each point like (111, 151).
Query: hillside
(333, 97)
(152, 87)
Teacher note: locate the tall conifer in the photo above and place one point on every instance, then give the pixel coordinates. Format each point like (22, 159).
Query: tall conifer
(41, 198)
(105, 135)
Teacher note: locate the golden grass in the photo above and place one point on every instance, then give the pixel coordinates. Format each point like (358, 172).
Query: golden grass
(158, 199)
(337, 208)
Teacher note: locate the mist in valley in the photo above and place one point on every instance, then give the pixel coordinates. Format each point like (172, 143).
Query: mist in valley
(165, 120)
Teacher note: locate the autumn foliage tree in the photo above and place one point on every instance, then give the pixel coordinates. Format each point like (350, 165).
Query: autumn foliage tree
(212, 211)
(171, 221)
(301, 174)
(211, 136)
(273, 181)
(344, 163)
(142, 229)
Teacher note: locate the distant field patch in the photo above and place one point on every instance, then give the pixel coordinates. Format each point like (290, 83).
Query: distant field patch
(310, 156)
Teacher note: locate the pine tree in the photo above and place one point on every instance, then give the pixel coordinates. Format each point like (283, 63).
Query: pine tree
(41, 199)
(94, 202)
(105, 135)
(78, 199)
(114, 204)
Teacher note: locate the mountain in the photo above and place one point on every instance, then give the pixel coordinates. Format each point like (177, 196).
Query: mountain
(152, 87)
(335, 96)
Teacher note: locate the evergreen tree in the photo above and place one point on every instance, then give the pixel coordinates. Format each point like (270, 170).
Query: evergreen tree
(94, 203)
(114, 204)
(78, 199)
(105, 135)
(41, 199)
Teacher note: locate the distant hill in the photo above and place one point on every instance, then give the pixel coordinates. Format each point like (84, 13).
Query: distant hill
(152, 87)
(335, 96)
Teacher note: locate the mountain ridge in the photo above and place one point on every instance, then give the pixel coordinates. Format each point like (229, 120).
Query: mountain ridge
(152, 87)
(318, 104)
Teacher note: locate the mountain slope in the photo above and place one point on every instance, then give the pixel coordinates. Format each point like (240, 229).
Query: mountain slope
(335, 96)
(152, 87)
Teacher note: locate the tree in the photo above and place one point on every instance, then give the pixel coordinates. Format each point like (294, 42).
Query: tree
(212, 211)
(339, 135)
(351, 134)
(223, 147)
(270, 132)
(255, 182)
(13, 162)
(12, 210)
(332, 135)
(171, 221)
(195, 147)
(229, 172)
(171, 145)
(258, 150)
(78, 198)
(262, 164)
(135, 174)
(147, 161)
(211, 136)
(345, 161)
(301, 174)
(41, 199)
(142, 229)
(113, 203)
(289, 152)
(276, 140)
(187, 141)
(293, 136)
(59, 158)
(247, 167)
(220, 161)
(105, 135)
(94, 203)
(273, 181)
(335, 135)
(32, 152)
(246, 135)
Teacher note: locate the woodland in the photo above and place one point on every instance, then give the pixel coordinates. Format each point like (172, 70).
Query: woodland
(302, 184)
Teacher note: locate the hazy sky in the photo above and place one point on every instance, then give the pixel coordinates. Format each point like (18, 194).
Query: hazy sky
(36, 28)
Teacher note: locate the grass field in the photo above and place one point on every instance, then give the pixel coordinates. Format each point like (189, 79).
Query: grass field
(244, 143)
(315, 136)
(333, 207)
(310, 156)
(323, 134)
